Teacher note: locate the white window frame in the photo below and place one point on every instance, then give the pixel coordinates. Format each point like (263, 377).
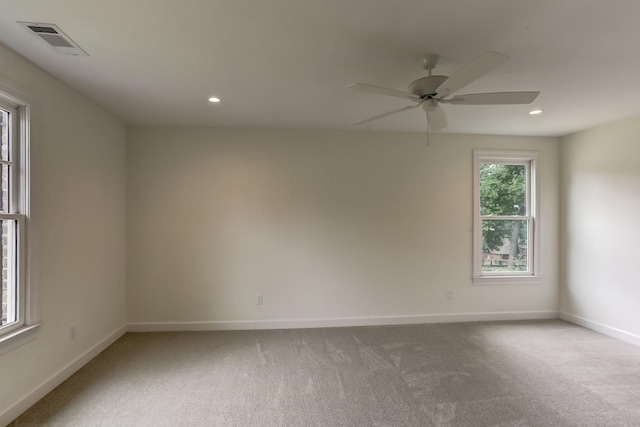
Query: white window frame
(530, 159)
(19, 103)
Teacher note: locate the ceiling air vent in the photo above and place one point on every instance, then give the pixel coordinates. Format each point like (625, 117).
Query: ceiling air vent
(54, 37)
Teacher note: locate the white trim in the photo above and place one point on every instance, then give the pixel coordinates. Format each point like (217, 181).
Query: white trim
(18, 337)
(507, 280)
(620, 334)
(233, 325)
(56, 379)
(30, 167)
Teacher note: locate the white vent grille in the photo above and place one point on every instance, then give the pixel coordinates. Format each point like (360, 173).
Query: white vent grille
(54, 37)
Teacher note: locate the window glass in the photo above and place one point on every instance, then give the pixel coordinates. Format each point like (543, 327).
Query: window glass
(505, 245)
(503, 189)
(9, 290)
(4, 123)
(7, 227)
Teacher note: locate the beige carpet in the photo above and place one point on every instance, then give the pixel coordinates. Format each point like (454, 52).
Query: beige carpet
(531, 373)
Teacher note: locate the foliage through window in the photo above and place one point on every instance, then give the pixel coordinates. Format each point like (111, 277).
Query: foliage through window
(504, 235)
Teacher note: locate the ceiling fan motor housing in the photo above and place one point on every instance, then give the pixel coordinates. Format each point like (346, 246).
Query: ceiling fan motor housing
(426, 85)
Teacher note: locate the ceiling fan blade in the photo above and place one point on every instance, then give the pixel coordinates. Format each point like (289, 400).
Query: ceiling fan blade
(494, 98)
(471, 71)
(388, 113)
(384, 91)
(436, 118)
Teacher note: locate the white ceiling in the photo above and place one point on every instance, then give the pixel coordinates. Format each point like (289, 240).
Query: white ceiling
(285, 63)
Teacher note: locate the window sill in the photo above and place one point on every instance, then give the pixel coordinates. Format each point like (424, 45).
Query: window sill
(507, 280)
(19, 337)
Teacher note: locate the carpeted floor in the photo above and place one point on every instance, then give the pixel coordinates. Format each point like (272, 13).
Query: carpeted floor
(529, 373)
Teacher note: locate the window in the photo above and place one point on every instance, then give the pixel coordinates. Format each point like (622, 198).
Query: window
(505, 217)
(18, 311)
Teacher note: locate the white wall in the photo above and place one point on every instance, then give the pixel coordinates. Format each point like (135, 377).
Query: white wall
(601, 228)
(81, 203)
(327, 225)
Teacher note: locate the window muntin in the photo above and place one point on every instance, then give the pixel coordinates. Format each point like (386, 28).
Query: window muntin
(505, 213)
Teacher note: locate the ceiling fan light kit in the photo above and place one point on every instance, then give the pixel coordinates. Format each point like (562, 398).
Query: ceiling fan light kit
(430, 91)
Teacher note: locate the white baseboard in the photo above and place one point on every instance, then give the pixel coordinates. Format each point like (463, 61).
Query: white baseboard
(602, 328)
(56, 379)
(336, 322)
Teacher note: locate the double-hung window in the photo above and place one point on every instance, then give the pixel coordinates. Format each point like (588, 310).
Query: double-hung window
(18, 312)
(506, 231)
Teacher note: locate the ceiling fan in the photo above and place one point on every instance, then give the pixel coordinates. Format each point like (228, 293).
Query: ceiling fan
(428, 92)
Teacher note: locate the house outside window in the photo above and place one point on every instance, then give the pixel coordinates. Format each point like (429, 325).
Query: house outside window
(506, 234)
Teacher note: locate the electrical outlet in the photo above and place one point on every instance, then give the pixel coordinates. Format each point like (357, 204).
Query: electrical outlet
(72, 332)
(259, 299)
(449, 294)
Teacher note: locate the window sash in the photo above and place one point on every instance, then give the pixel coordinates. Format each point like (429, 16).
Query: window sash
(527, 177)
(529, 259)
(507, 217)
(17, 273)
(13, 187)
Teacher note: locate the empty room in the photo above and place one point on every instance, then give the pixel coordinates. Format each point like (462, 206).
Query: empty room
(320, 213)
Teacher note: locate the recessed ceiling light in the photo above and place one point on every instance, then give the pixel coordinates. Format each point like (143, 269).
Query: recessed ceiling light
(534, 112)
(214, 99)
